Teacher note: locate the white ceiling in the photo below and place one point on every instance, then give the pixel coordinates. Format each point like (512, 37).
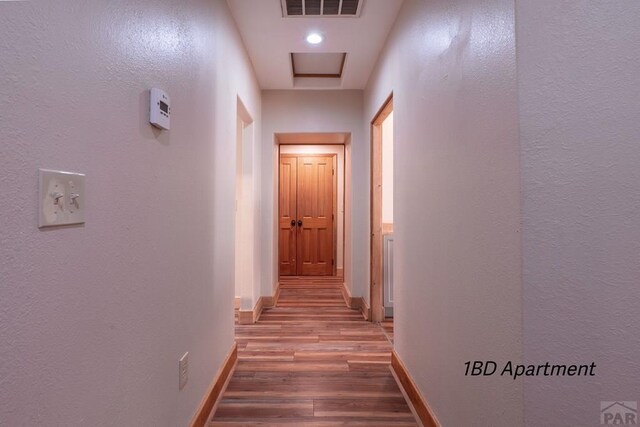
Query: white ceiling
(270, 39)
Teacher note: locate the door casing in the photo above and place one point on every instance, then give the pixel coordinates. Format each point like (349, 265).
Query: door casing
(377, 280)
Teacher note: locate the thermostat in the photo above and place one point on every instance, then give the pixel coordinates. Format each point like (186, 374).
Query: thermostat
(160, 109)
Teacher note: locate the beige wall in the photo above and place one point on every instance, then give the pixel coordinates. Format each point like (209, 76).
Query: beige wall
(94, 318)
(451, 66)
(579, 91)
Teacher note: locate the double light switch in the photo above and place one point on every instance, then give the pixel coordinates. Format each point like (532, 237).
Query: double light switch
(61, 198)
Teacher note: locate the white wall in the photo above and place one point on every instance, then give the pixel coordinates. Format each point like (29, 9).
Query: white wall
(457, 275)
(338, 150)
(93, 319)
(579, 86)
(318, 111)
(387, 170)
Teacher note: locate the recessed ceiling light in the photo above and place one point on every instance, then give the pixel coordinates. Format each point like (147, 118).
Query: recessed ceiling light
(314, 38)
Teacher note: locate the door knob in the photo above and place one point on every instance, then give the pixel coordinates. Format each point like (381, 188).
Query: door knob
(293, 222)
(299, 223)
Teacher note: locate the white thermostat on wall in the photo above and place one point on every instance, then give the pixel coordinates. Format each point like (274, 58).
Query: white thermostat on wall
(160, 109)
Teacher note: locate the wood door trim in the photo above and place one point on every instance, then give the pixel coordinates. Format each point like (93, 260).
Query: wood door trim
(335, 199)
(376, 282)
(334, 219)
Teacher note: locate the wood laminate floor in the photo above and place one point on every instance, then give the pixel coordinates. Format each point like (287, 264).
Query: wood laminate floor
(311, 361)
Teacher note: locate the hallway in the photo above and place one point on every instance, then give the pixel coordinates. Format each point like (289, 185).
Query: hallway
(312, 361)
(150, 190)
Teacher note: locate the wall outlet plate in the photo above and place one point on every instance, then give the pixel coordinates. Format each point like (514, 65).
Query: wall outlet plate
(61, 198)
(183, 370)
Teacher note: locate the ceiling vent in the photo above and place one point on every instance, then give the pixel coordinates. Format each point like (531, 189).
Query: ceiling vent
(321, 8)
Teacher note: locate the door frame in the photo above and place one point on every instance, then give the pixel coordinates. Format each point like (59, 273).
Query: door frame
(376, 286)
(334, 156)
(245, 216)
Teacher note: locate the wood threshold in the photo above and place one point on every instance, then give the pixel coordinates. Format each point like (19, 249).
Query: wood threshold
(419, 403)
(216, 389)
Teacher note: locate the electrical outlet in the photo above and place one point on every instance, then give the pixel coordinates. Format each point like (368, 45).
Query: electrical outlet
(183, 370)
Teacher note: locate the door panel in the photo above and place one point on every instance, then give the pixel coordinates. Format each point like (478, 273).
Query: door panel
(315, 210)
(287, 207)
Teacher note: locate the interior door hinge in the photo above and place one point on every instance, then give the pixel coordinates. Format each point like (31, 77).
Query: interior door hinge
(333, 171)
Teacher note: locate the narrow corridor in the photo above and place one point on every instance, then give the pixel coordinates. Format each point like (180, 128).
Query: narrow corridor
(312, 361)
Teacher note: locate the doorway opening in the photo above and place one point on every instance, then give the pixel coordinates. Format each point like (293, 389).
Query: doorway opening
(381, 288)
(311, 187)
(245, 222)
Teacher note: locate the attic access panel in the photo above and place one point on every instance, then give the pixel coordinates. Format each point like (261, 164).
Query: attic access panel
(329, 65)
(319, 8)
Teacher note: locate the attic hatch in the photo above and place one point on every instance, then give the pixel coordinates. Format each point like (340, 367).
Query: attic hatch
(318, 65)
(320, 8)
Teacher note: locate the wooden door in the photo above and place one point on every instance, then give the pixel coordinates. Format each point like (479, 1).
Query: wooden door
(307, 219)
(315, 210)
(287, 223)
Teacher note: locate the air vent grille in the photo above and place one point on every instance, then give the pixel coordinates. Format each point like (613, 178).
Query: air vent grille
(321, 8)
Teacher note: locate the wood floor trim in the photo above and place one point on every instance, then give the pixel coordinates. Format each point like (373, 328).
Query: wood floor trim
(355, 302)
(420, 405)
(269, 302)
(346, 294)
(249, 317)
(216, 388)
(365, 309)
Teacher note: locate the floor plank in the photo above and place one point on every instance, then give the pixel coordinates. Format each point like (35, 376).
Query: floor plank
(312, 361)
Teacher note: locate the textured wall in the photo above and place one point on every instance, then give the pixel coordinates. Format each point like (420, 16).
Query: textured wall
(457, 275)
(318, 111)
(579, 86)
(93, 319)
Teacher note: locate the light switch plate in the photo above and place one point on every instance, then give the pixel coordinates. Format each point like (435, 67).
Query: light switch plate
(61, 198)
